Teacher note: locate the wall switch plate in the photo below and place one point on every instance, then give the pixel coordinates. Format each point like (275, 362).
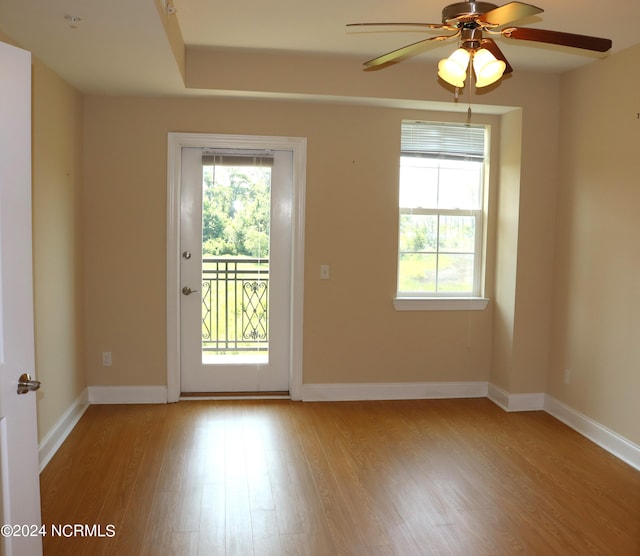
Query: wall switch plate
(324, 272)
(106, 359)
(567, 376)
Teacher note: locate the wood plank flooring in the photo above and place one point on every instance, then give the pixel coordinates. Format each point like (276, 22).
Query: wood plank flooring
(441, 477)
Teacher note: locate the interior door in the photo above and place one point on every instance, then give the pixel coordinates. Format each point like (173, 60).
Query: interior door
(20, 503)
(235, 285)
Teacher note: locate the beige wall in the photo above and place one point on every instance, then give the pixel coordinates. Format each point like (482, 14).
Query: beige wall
(351, 331)
(596, 322)
(507, 219)
(57, 245)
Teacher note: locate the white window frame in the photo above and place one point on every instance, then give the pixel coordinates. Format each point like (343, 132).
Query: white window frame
(420, 301)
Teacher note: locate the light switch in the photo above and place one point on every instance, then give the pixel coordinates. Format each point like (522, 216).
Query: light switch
(324, 272)
(106, 359)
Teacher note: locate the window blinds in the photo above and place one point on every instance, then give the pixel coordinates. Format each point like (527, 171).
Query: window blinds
(442, 140)
(230, 157)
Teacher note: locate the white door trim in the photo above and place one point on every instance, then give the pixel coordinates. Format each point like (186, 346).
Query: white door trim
(298, 146)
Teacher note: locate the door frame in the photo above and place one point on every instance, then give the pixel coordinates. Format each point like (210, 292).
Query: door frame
(298, 147)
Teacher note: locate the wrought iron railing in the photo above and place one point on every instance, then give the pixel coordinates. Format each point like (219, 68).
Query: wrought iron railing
(235, 299)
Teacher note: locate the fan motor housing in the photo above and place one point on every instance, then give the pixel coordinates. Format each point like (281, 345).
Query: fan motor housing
(465, 11)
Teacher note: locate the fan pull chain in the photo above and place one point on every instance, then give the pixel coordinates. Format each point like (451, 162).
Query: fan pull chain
(469, 82)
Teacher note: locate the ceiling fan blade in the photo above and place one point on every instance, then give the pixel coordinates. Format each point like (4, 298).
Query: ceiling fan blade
(406, 51)
(555, 37)
(508, 13)
(429, 25)
(492, 47)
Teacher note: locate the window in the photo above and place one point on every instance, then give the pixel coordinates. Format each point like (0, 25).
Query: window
(441, 209)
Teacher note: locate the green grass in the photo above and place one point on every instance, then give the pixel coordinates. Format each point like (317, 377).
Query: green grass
(417, 273)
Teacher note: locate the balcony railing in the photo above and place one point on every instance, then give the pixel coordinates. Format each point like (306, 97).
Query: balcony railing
(235, 298)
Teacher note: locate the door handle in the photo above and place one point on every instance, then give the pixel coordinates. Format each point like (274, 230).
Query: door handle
(188, 291)
(27, 384)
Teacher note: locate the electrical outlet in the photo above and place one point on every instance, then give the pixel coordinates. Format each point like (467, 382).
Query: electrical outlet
(567, 376)
(106, 359)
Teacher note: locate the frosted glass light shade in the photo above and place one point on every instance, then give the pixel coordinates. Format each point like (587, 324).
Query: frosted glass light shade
(453, 69)
(487, 67)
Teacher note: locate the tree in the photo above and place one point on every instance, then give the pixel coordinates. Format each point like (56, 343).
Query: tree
(236, 207)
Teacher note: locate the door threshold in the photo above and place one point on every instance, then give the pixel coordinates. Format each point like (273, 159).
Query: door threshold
(279, 395)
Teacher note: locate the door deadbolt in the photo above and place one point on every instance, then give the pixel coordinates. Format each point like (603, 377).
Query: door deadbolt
(186, 255)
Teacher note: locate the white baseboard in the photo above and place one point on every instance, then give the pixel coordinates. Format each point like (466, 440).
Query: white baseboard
(59, 432)
(607, 439)
(127, 394)
(611, 441)
(392, 391)
(515, 402)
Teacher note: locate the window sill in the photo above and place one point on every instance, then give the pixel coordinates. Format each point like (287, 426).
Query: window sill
(440, 303)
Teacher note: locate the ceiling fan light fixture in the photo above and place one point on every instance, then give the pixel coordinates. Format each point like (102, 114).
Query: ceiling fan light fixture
(469, 20)
(487, 67)
(453, 69)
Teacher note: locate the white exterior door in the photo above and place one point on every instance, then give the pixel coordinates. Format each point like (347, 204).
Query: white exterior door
(235, 309)
(20, 487)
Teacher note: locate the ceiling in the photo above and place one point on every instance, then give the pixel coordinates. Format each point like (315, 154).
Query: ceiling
(120, 46)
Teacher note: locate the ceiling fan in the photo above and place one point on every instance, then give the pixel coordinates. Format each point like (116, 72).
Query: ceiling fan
(470, 21)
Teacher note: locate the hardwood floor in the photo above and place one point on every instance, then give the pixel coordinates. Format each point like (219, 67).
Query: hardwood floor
(442, 477)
